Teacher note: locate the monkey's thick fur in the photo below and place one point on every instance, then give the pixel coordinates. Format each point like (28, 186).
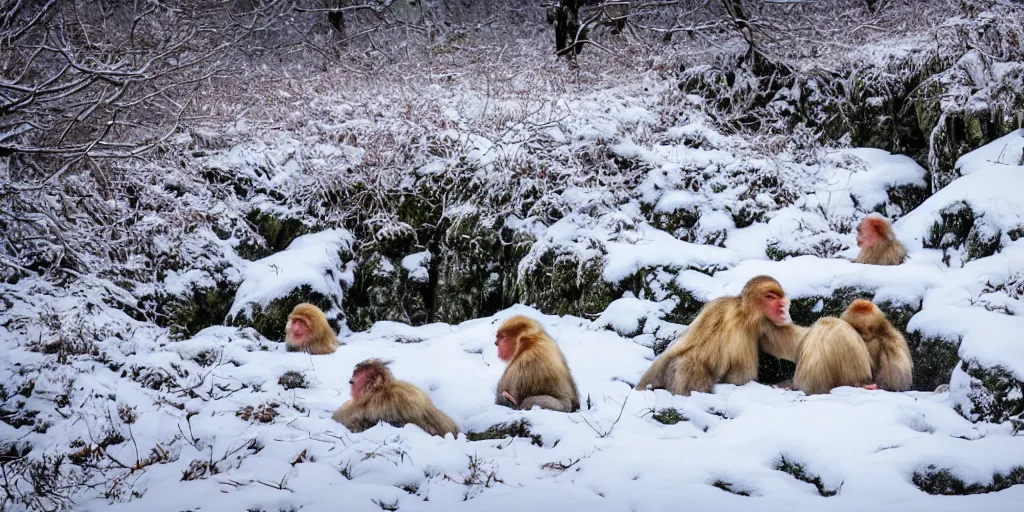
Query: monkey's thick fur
(831, 355)
(392, 401)
(320, 340)
(721, 345)
(537, 373)
(891, 366)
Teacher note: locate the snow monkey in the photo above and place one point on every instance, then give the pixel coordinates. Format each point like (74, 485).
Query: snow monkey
(891, 366)
(378, 396)
(537, 373)
(878, 243)
(721, 345)
(308, 331)
(831, 355)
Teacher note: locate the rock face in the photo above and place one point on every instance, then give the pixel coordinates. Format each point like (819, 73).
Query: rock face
(988, 393)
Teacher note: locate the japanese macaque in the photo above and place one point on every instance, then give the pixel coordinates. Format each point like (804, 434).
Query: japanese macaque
(891, 366)
(308, 331)
(537, 373)
(878, 243)
(831, 355)
(377, 396)
(721, 345)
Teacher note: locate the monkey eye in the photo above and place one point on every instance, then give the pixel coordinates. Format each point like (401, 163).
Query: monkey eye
(351, 381)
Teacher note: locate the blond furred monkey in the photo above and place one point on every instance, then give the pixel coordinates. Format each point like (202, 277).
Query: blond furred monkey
(378, 396)
(891, 366)
(878, 243)
(831, 355)
(537, 373)
(721, 345)
(307, 330)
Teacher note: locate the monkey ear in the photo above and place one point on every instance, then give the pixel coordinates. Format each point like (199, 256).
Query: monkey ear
(862, 307)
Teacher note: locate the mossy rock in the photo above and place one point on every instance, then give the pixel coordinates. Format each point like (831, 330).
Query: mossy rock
(669, 416)
(959, 228)
(906, 198)
(382, 290)
(773, 370)
(473, 271)
(269, 320)
(995, 394)
(802, 309)
(962, 131)
(680, 223)
(520, 428)
(560, 283)
(197, 309)
(934, 359)
(798, 471)
(275, 233)
(935, 481)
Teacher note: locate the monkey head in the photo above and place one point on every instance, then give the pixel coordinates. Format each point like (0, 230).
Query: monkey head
(872, 231)
(369, 375)
(765, 294)
(512, 333)
(297, 332)
(865, 318)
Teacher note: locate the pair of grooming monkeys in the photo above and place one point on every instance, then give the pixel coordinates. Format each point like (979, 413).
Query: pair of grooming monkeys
(721, 345)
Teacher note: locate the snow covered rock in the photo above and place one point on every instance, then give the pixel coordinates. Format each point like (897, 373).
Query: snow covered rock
(315, 268)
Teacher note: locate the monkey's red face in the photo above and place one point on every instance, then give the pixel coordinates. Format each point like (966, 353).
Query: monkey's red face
(866, 235)
(506, 346)
(776, 308)
(298, 329)
(358, 383)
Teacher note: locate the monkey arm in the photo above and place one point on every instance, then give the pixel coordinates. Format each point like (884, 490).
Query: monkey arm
(783, 341)
(350, 416)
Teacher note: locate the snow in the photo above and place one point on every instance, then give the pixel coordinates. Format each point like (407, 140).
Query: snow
(313, 259)
(737, 435)
(1006, 150)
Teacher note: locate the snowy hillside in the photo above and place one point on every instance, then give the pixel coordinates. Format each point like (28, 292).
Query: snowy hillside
(422, 189)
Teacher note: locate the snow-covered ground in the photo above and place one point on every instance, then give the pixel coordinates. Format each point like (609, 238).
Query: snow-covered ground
(863, 445)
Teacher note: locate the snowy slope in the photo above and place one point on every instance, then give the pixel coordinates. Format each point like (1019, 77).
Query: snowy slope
(865, 444)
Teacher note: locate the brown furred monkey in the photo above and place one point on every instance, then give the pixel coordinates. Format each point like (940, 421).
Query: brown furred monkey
(537, 373)
(831, 355)
(721, 345)
(878, 243)
(307, 330)
(378, 396)
(891, 366)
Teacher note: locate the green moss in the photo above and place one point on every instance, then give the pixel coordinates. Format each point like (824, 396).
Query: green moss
(669, 416)
(382, 290)
(729, 487)
(292, 380)
(680, 223)
(276, 233)
(803, 309)
(772, 370)
(269, 320)
(560, 283)
(934, 360)
(935, 481)
(996, 395)
(906, 197)
(982, 243)
(473, 270)
(797, 471)
(197, 309)
(520, 428)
